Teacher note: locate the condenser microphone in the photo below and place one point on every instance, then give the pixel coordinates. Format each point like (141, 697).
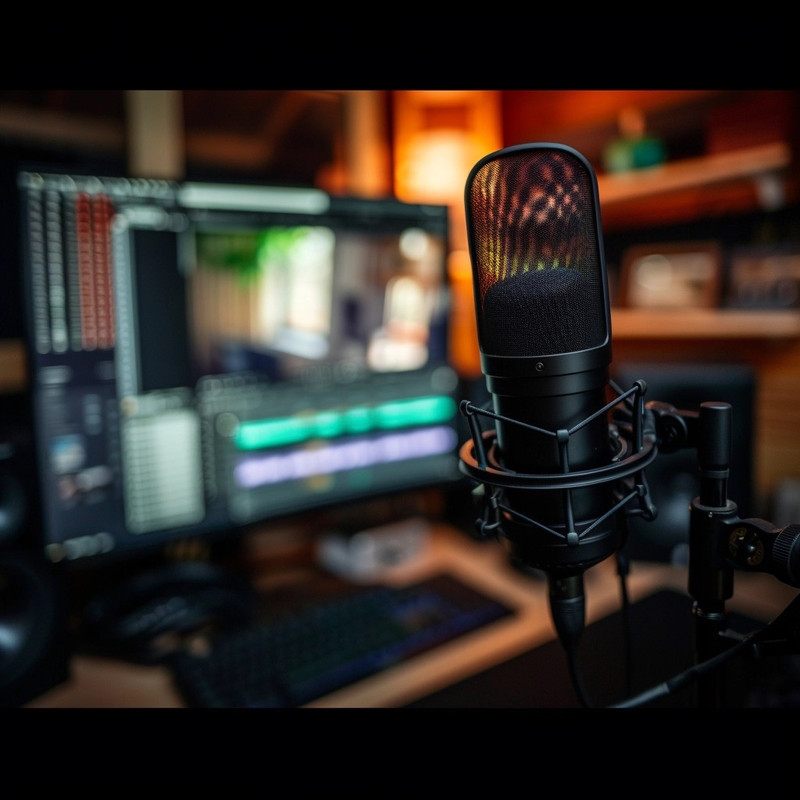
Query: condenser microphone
(544, 333)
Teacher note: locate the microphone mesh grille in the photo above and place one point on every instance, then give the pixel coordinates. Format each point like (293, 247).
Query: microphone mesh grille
(536, 253)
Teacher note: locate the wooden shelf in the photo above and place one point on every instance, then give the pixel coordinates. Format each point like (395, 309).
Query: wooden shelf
(633, 323)
(752, 162)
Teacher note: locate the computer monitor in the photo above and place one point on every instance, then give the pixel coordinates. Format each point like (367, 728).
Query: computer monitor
(204, 356)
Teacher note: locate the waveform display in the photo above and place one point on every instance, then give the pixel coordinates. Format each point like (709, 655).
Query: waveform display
(355, 420)
(328, 459)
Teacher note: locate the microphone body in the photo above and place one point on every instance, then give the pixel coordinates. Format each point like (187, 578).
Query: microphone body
(528, 451)
(543, 321)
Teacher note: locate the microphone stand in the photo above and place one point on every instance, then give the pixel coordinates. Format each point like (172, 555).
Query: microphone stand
(720, 542)
(710, 572)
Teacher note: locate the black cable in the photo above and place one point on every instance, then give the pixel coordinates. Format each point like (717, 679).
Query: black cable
(780, 635)
(575, 676)
(686, 677)
(568, 611)
(623, 568)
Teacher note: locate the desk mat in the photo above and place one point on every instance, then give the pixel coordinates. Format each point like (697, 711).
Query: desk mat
(661, 646)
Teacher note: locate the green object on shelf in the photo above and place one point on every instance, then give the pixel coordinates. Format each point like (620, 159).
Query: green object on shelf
(626, 154)
(633, 148)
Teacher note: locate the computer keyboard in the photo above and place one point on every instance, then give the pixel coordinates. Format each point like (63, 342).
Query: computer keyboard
(330, 644)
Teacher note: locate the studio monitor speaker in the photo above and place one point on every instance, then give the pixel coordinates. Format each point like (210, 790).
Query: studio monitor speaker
(34, 648)
(673, 478)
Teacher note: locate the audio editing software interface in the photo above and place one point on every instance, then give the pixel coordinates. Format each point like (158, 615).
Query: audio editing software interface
(204, 356)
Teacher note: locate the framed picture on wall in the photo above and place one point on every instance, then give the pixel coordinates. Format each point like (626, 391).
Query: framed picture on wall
(671, 275)
(764, 277)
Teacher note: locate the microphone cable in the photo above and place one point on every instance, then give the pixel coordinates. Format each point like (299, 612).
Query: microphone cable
(571, 649)
(688, 676)
(623, 569)
(570, 644)
(785, 626)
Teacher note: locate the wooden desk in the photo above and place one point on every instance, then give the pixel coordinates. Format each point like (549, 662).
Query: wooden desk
(106, 683)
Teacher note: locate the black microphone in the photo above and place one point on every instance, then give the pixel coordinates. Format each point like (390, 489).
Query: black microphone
(544, 332)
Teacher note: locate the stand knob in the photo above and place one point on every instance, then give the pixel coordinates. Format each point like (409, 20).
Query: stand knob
(786, 554)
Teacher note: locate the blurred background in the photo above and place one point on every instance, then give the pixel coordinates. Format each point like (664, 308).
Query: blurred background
(700, 207)
(698, 188)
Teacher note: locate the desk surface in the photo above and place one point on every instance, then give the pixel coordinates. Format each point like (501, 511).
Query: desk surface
(106, 683)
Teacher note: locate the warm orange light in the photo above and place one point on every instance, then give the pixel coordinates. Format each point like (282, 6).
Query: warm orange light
(438, 137)
(433, 165)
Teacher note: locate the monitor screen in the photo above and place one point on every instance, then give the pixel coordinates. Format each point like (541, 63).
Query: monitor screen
(207, 356)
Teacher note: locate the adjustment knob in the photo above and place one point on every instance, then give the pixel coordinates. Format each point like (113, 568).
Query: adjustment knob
(786, 554)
